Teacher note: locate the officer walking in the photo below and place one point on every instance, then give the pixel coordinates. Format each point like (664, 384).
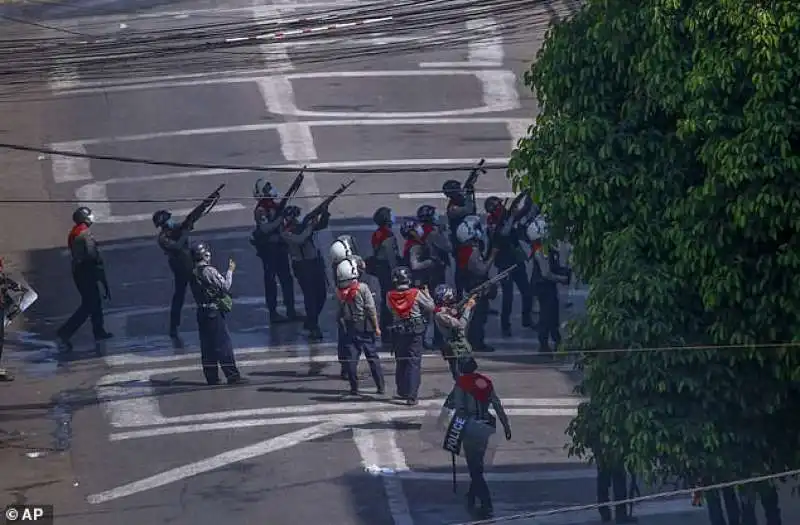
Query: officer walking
(211, 291)
(307, 263)
(87, 272)
(504, 238)
(460, 205)
(358, 318)
(410, 307)
(6, 285)
(470, 399)
(344, 249)
(385, 258)
(173, 239)
(273, 252)
(475, 270)
(452, 324)
(545, 276)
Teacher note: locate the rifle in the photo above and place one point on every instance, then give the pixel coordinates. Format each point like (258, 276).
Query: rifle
(322, 206)
(287, 198)
(202, 209)
(485, 286)
(469, 184)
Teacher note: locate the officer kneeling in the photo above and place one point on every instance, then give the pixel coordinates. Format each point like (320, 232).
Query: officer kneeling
(211, 291)
(358, 318)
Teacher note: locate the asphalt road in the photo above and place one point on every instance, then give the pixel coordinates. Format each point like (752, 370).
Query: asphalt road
(159, 447)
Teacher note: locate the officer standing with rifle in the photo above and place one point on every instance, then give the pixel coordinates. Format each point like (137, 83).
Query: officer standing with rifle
(452, 323)
(307, 261)
(385, 258)
(211, 291)
(439, 248)
(475, 271)
(272, 249)
(87, 272)
(461, 204)
(410, 307)
(173, 239)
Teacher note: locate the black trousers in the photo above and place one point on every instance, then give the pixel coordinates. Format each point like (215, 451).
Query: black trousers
(355, 344)
(216, 348)
(549, 315)
(408, 351)
(91, 305)
(310, 275)
(275, 262)
(384, 276)
(182, 274)
(518, 277)
(618, 480)
(476, 329)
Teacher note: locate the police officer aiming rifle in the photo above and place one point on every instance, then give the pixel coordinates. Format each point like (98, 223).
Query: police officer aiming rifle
(173, 239)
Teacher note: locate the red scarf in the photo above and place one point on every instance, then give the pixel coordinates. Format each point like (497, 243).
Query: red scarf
(535, 247)
(426, 230)
(402, 301)
(267, 204)
(348, 294)
(477, 385)
(463, 254)
(74, 232)
(410, 243)
(380, 235)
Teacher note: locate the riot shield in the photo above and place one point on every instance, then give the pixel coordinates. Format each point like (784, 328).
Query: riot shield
(18, 301)
(442, 430)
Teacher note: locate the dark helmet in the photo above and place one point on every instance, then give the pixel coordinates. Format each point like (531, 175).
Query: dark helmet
(426, 213)
(444, 295)
(161, 217)
(451, 188)
(382, 216)
(401, 276)
(200, 252)
(291, 212)
(83, 215)
(492, 204)
(408, 227)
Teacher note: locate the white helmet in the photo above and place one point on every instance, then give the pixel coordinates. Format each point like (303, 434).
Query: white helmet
(346, 273)
(470, 229)
(342, 248)
(536, 229)
(264, 190)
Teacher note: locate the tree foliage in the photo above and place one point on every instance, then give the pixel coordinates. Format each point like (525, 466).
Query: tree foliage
(668, 148)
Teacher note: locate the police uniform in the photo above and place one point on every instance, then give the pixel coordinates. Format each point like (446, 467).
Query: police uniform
(505, 239)
(453, 324)
(216, 349)
(87, 273)
(546, 273)
(174, 241)
(475, 270)
(357, 316)
(458, 208)
(344, 249)
(308, 265)
(410, 307)
(273, 251)
(385, 258)
(470, 400)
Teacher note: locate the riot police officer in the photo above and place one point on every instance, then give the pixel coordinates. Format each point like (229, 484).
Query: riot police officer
(504, 238)
(452, 324)
(460, 205)
(173, 239)
(273, 252)
(307, 263)
(546, 273)
(344, 248)
(410, 307)
(437, 241)
(416, 255)
(385, 258)
(358, 318)
(211, 291)
(475, 270)
(88, 272)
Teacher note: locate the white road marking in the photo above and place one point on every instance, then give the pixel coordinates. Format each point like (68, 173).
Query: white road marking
(499, 89)
(70, 169)
(213, 463)
(346, 420)
(297, 142)
(378, 448)
(276, 53)
(484, 50)
(64, 76)
(139, 217)
(321, 123)
(439, 196)
(518, 129)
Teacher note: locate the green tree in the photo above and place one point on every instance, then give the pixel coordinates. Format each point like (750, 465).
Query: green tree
(667, 151)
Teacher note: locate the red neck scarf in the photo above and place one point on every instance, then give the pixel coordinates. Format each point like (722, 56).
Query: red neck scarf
(535, 247)
(380, 235)
(402, 301)
(267, 204)
(463, 254)
(348, 294)
(426, 230)
(410, 243)
(74, 232)
(477, 385)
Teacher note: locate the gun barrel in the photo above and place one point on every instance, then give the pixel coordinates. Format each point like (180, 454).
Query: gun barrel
(219, 188)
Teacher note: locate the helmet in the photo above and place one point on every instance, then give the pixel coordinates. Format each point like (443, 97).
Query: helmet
(264, 190)
(409, 227)
(492, 204)
(291, 212)
(401, 276)
(83, 215)
(342, 248)
(346, 273)
(200, 252)
(536, 229)
(444, 295)
(161, 217)
(470, 229)
(451, 188)
(426, 213)
(383, 216)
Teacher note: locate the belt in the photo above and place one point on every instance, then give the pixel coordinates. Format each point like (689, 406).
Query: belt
(208, 306)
